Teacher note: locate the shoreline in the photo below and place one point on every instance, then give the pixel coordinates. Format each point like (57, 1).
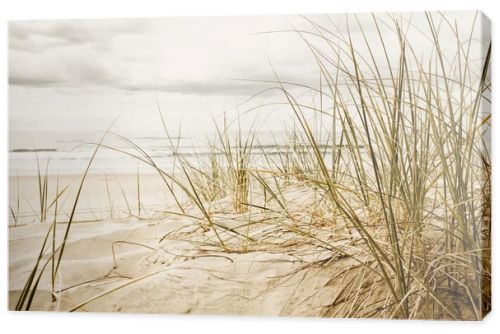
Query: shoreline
(95, 204)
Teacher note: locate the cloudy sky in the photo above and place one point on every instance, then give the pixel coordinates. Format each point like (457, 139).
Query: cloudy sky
(74, 75)
(79, 75)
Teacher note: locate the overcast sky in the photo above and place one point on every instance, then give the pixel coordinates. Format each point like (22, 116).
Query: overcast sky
(81, 74)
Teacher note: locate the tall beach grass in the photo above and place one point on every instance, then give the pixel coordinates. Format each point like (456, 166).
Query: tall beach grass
(394, 155)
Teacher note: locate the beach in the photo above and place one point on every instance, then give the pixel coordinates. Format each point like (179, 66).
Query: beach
(104, 196)
(346, 175)
(168, 264)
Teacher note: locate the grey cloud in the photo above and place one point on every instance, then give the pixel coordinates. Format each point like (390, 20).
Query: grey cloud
(93, 76)
(222, 87)
(37, 36)
(32, 81)
(80, 74)
(71, 71)
(73, 54)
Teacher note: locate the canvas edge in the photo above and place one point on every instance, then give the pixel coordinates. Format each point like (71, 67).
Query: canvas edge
(485, 26)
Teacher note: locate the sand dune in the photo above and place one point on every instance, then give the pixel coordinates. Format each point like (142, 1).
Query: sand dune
(169, 264)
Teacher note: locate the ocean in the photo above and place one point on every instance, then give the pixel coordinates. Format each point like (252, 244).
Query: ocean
(68, 153)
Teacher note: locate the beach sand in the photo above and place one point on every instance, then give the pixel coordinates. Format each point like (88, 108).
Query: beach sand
(94, 203)
(167, 263)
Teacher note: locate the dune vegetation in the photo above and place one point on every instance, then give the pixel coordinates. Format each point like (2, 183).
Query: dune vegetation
(387, 200)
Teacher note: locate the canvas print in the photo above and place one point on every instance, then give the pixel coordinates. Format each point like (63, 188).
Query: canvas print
(327, 165)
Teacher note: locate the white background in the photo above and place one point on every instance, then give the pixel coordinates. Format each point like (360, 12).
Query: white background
(12, 322)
